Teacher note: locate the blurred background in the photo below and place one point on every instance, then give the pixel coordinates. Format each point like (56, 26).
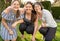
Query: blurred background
(52, 5)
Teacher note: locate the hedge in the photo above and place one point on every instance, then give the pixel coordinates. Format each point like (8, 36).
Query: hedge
(56, 12)
(3, 5)
(47, 5)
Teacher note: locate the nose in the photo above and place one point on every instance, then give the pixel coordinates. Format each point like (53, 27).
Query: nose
(28, 8)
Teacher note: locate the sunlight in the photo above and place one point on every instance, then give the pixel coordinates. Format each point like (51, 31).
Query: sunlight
(52, 1)
(33, 1)
(24, 1)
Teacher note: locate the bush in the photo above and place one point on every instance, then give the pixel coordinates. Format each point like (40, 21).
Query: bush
(3, 5)
(56, 12)
(47, 5)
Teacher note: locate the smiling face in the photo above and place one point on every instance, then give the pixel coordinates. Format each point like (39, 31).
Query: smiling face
(15, 5)
(28, 8)
(37, 7)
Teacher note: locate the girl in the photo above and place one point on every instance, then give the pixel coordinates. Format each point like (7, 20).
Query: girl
(48, 26)
(9, 16)
(30, 21)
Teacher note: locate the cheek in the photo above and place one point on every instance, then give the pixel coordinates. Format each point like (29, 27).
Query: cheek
(18, 6)
(30, 8)
(12, 6)
(35, 9)
(39, 7)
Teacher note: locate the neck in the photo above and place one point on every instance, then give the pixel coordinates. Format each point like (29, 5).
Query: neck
(28, 13)
(14, 11)
(39, 15)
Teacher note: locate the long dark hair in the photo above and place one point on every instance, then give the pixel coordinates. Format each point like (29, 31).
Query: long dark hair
(17, 13)
(34, 14)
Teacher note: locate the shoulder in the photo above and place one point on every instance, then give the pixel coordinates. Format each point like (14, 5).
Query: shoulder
(21, 10)
(46, 12)
(7, 10)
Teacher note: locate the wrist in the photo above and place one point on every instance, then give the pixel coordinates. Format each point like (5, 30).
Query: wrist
(33, 35)
(9, 29)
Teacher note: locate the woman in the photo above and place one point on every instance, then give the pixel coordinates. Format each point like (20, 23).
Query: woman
(48, 26)
(9, 16)
(30, 21)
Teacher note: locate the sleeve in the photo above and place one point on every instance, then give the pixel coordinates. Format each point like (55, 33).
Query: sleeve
(4, 15)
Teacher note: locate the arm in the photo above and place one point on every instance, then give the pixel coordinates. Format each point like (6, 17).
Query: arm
(5, 24)
(7, 9)
(35, 28)
(17, 22)
(4, 16)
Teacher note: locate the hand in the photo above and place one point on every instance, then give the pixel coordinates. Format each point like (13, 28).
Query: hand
(39, 27)
(39, 11)
(33, 39)
(14, 25)
(43, 25)
(10, 32)
(21, 10)
(9, 7)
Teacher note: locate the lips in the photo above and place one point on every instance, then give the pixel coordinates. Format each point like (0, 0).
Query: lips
(16, 7)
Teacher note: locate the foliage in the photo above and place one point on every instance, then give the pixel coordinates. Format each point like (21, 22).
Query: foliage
(3, 5)
(56, 12)
(47, 5)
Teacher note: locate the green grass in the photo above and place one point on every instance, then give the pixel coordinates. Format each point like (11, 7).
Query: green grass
(38, 35)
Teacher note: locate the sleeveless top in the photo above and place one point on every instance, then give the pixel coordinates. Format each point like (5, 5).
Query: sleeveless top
(28, 22)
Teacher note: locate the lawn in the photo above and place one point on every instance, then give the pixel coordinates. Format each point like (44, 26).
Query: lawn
(38, 36)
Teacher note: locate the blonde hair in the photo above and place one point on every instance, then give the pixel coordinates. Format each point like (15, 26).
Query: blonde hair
(15, 0)
(18, 12)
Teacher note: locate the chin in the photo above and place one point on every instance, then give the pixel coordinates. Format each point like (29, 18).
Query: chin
(15, 9)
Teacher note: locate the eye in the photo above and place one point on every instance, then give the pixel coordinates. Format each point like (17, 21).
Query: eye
(14, 4)
(26, 7)
(17, 4)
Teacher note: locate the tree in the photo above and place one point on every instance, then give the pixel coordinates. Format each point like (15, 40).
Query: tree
(3, 5)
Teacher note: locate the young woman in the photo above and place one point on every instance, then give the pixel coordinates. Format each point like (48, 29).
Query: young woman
(30, 21)
(48, 26)
(9, 16)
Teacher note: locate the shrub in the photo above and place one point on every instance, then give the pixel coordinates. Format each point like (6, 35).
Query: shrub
(47, 5)
(56, 12)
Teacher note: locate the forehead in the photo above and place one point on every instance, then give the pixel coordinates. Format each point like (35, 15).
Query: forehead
(28, 5)
(15, 2)
(37, 5)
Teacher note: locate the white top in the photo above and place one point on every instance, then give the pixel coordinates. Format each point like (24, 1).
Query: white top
(47, 16)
